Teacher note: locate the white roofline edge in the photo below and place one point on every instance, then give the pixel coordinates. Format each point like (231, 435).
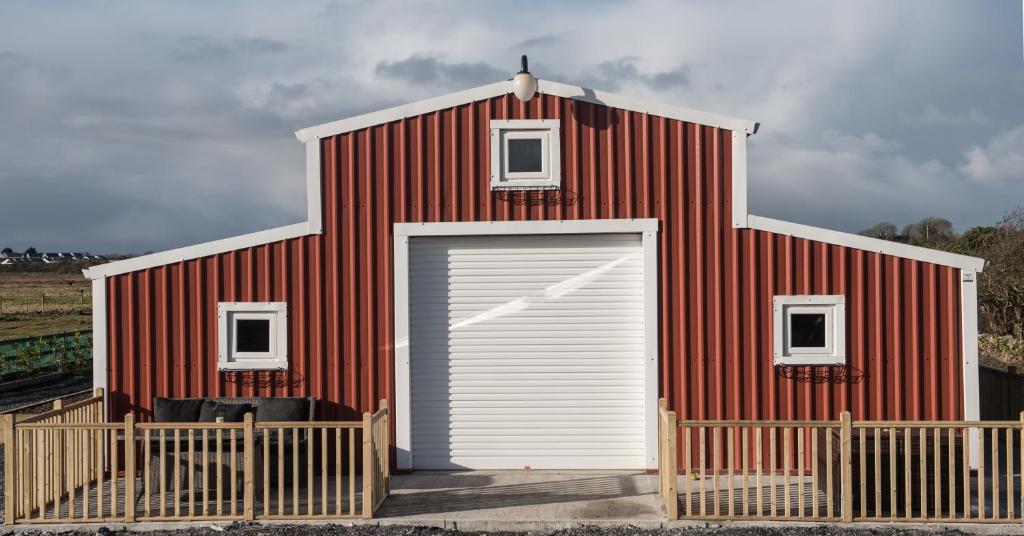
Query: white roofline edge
(546, 87)
(196, 251)
(877, 245)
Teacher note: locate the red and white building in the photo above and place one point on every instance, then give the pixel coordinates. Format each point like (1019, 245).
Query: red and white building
(523, 280)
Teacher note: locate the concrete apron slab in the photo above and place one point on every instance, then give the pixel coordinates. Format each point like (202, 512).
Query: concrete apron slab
(530, 500)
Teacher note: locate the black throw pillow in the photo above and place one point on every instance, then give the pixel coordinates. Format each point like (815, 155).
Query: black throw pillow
(176, 410)
(282, 409)
(232, 412)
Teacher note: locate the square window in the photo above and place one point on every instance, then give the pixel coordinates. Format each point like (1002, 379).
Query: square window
(809, 330)
(252, 336)
(525, 154)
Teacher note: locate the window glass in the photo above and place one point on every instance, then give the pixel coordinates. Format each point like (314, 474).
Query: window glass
(252, 335)
(807, 330)
(524, 155)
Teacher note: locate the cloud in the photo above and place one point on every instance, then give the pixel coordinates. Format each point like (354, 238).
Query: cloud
(1001, 159)
(931, 116)
(433, 71)
(198, 49)
(614, 74)
(539, 42)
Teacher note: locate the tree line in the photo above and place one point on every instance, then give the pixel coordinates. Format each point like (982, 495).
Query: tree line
(1001, 285)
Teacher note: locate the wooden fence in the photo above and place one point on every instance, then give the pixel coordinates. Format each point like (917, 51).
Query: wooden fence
(80, 469)
(843, 470)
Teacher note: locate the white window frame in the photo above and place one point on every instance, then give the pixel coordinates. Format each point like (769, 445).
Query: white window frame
(230, 359)
(834, 309)
(546, 130)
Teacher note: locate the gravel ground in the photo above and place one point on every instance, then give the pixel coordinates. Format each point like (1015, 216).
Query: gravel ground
(45, 391)
(253, 529)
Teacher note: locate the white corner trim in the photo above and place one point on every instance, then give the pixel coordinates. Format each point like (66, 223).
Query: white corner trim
(638, 225)
(402, 234)
(313, 195)
(739, 180)
(501, 88)
(650, 253)
(969, 340)
(99, 340)
(866, 243)
(403, 382)
(199, 250)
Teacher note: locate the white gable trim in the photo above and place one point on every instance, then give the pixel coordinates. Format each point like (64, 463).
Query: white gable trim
(865, 243)
(543, 86)
(199, 250)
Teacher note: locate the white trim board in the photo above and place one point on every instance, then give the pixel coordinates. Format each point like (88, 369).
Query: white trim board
(199, 250)
(99, 340)
(638, 225)
(546, 87)
(969, 340)
(865, 243)
(648, 227)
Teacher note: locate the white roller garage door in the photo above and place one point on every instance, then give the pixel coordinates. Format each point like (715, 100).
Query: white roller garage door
(527, 351)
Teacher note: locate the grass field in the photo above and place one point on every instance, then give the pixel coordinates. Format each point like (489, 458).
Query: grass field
(41, 303)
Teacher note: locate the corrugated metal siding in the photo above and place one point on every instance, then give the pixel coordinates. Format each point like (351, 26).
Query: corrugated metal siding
(716, 283)
(527, 351)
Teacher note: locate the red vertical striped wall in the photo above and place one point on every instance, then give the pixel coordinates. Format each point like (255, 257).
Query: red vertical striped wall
(715, 283)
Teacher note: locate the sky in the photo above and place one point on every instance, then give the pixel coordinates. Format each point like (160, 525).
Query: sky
(141, 126)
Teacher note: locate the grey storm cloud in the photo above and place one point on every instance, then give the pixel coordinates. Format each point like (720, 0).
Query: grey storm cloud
(198, 48)
(134, 127)
(435, 71)
(614, 74)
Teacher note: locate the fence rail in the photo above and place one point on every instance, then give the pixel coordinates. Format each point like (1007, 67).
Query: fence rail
(930, 471)
(68, 466)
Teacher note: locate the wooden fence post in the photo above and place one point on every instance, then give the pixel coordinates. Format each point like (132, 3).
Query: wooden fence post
(669, 464)
(9, 475)
(98, 415)
(248, 448)
(846, 465)
(129, 468)
(367, 466)
(386, 447)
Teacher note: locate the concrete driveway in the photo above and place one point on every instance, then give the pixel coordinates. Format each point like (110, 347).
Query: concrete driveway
(549, 499)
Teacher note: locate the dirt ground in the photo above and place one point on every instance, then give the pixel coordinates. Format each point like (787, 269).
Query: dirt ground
(255, 529)
(66, 303)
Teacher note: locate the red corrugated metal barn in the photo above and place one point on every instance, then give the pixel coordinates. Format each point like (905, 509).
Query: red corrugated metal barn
(522, 281)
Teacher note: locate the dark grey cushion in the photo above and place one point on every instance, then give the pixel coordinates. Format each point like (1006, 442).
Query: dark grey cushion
(282, 409)
(232, 412)
(176, 410)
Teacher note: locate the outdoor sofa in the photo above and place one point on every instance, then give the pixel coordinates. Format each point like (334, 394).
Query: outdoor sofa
(227, 409)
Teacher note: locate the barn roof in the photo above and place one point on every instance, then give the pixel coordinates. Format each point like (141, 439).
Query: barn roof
(741, 219)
